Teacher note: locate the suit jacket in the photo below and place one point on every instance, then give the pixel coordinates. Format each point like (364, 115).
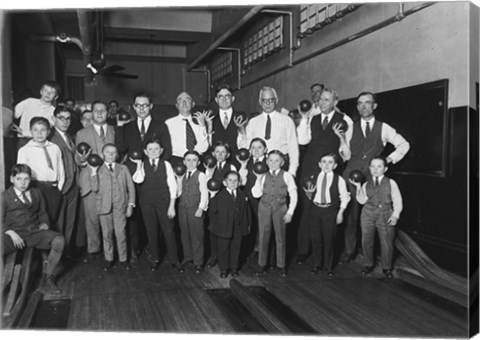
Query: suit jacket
(90, 136)
(222, 213)
(103, 183)
(228, 135)
(127, 139)
(23, 218)
(68, 157)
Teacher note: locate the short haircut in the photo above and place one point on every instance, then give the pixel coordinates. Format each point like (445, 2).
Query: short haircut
(231, 172)
(193, 152)
(60, 109)
(383, 159)
(366, 93)
(277, 152)
(151, 141)
(330, 154)
(109, 145)
(223, 87)
(317, 84)
(142, 95)
(96, 102)
(332, 92)
(52, 84)
(112, 102)
(39, 120)
(222, 144)
(86, 111)
(267, 88)
(20, 169)
(260, 140)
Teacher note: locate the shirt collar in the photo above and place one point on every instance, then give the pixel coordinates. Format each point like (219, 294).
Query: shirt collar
(380, 178)
(47, 143)
(229, 112)
(370, 122)
(146, 120)
(191, 171)
(63, 134)
(230, 191)
(108, 164)
(271, 114)
(18, 192)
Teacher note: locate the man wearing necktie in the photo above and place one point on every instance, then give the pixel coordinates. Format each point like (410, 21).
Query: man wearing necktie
(368, 139)
(68, 211)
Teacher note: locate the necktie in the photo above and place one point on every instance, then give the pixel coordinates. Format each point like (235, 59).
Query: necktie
(367, 129)
(191, 140)
(102, 134)
(189, 174)
(25, 198)
(220, 167)
(69, 142)
(111, 167)
(142, 129)
(323, 192)
(225, 121)
(154, 165)
(47, 157)
(376, 182)
(268, 128)
(325, 123)
(233, 195)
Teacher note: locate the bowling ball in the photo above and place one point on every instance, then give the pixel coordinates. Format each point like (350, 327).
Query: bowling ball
(243, 154)
(343, 125)
(94, 160)
(357, 176)
(308, 182)
(124, 116)
(136, 154)
(209, 161)
(179, 169)
(305, 105)
(83, 148)
(260, 168)
(214, 184)
(241, 114)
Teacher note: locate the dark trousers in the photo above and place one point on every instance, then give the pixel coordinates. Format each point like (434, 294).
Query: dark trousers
(192, 235)
(323, 227)
(53, 199)
(303, 234)
(213, 246)
(352, 215)
(67, 216)
(229, 251)
(155, 219)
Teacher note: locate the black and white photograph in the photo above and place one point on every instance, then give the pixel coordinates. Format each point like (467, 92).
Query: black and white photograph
(275, 168)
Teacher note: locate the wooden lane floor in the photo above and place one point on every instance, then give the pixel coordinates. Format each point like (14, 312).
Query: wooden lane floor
(167, 301)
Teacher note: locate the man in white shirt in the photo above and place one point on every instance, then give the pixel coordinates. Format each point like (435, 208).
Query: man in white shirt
(184, 133)
(276, 129)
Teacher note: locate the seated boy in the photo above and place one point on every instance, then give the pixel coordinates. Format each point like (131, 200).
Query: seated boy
(25, 223)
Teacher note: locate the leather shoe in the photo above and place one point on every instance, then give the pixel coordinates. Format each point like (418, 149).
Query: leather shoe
(388, 273)
(330, 273)
(301, 259)
(366, 270)
(125, 265)
(260, 271)
(178, 267)
(235, 273)
(198, 269)
(155, 266)
(212, 261)
(223, 274)
(315, 270)
(108, 265)
(187, 263)
(282, 272)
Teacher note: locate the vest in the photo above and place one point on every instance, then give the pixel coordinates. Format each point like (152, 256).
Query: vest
(190, 197)
(322, 142)
(155, 187)
(364, 149)
(275, 191)
(379, 198)
(334, 193)
(228, 135)
(217, 174)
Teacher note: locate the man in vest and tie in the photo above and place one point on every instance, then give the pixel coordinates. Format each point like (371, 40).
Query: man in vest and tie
(368, 140)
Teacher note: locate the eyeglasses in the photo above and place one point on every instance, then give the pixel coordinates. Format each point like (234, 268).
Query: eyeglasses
(141, 106)
(186, 100)
(64, 119)
(268, 100)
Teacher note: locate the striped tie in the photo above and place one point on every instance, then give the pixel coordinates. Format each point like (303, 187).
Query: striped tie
(191, 140)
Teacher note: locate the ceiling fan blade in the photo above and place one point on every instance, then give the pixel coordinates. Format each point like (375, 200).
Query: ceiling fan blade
(113, 68)
(120, 75)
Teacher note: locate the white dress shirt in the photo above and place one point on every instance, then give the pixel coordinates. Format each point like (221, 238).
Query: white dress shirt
(202, 185)
(389, 135)
(20, 196)
(103, 127)
(139, 176)
(229, 113)
(283, 136)
(342, 189)
(146, 122)
(29, 108)
(397, 202)
(257, 189)
(33, 155)
(178, 135)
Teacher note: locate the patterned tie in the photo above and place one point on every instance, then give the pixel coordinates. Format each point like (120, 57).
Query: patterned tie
(191, 140)
(323, 192)
(268, 128)
(154, 165)
(325, 123)
(111, 167)
(376, 182)
(225, 121)
(367, 129)
(102, 134)
(47, 156)
(25, 198)
(142, 129)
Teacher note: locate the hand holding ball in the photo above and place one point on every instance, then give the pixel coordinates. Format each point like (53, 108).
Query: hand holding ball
(260, 168)
(83, 148)
(305, 105)
(243, 154)
(357, 176)
(136, 155)
(209, 161)
(124, 116)
(94, 160)
(214, 184)
(180, 169)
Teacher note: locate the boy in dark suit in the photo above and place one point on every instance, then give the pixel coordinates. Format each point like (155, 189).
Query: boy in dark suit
(25, 223)
(229, 222)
